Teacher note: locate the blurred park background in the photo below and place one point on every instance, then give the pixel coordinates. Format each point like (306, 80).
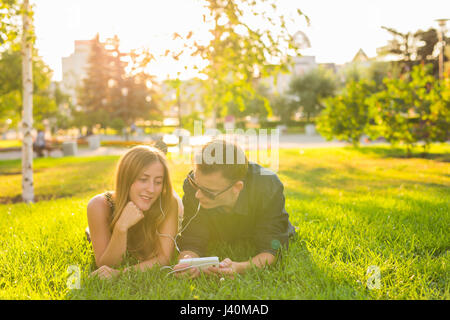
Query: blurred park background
(243, 64)
(367, 83)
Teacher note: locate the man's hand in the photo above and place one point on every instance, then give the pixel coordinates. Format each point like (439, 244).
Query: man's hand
(105, 272)
(227, 267)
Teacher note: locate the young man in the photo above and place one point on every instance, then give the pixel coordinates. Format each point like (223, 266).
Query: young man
(227, 198)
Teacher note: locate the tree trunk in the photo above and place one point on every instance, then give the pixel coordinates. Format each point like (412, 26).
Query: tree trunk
(426, 149)
(408, 151)
(180, 119)
(27, 115)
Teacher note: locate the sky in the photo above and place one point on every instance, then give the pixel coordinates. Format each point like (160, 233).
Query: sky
(337, 30)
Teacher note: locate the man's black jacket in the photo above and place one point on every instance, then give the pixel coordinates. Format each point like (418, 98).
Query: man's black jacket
(259, 215)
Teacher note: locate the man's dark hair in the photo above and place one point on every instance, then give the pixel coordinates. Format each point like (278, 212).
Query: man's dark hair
(161, 145)
(223, 156)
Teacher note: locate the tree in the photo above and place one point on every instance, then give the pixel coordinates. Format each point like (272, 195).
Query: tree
(9, 14)
(237, 52)
(259, 105)
(44, 102)
(413, 48)
(93, 94)
(348, 115)
(378, 71)
(132, 95)
(111, 96)
(27, 118)
(439, 115)
(310, 89)
(413, 108)
(426, 50)
(141, 100)
(9, 22)
(283, 106)
(64, 117)
(403, 46)
(176, 85)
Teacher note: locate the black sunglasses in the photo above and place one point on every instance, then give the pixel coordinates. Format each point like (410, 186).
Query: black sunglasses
(208, 194)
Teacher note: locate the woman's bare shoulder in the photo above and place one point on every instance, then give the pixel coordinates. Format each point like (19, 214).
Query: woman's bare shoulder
(99, 205)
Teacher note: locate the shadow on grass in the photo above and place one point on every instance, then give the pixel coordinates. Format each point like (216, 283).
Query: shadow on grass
(59, 178)
(348, 179)
(299, 270)
(39, 197)
(313, 178)
(294, 276)
(414, 231)
(407, 227)
(407, 217)
(400, 152)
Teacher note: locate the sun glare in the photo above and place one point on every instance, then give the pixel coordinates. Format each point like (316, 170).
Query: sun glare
(337, 30)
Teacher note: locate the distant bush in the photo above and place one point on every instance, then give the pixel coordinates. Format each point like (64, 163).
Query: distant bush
(410, 109)
(123, 144)
(348, 115)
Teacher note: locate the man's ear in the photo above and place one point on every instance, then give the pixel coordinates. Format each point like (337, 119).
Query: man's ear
(239, 185)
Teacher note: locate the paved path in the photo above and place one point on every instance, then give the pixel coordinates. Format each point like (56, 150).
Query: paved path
(82, 152)
(286, 141)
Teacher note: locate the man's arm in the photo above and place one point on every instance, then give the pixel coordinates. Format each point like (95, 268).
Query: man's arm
(261, 260)
(271, 230)
(270, 234)
(229, 267)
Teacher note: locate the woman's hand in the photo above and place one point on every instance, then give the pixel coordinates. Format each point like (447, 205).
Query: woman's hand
(105, 272)
(131, 215)
(186, 271)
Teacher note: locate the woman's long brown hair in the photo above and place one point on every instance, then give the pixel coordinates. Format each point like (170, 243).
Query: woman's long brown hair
(142, 241)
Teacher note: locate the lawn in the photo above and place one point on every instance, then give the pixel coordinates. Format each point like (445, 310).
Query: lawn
(10, 144)
(355, 210)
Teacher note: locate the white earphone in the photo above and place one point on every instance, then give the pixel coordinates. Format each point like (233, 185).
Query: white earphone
(180, 231)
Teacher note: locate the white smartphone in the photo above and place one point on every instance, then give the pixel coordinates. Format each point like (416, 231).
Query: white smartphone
(202, 263)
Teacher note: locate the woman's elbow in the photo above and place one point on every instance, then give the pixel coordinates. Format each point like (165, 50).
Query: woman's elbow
(102, 262)
(99, 263)
(164, 259)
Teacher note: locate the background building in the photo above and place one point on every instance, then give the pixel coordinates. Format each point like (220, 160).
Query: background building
(74, 68)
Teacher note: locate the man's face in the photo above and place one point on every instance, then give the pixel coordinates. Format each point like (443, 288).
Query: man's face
(215, 183)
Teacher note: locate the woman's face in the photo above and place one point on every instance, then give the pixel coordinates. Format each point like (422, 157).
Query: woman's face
(148, 186)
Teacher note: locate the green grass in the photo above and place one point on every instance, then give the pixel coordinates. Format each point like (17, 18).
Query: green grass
(10, 143)
(58, 177)
(352, 208)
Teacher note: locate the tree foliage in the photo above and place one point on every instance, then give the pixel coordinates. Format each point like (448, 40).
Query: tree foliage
(410, 109)
(110, 95)
(309, 91)
(413, 108)
(10, 15)
(411, 49)
(238, 52)
(45, 105)
(348, 115)
(93, 94)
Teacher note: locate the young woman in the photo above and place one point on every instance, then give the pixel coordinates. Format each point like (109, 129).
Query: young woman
(139, 217)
